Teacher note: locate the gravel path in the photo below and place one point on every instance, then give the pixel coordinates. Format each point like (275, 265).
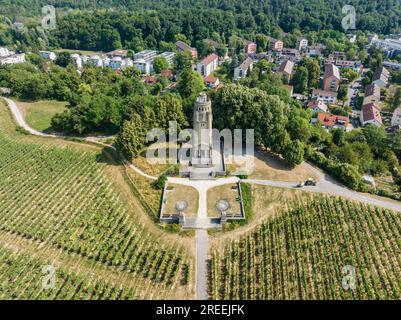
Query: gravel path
(201, 264)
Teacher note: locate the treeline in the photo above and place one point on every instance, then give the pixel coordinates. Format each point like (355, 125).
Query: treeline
(381, 16)
(131, 24)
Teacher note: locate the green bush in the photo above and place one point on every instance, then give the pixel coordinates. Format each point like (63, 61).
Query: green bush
(160, 183)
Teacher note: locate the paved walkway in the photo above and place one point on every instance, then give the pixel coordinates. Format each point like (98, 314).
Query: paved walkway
(201, 264)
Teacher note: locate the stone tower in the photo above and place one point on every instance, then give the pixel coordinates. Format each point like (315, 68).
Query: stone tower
(203, 140)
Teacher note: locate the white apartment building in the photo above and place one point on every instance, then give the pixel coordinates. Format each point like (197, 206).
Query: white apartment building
(4, 52)
(13, 59)
(208, 65)
(147, 55)
(48, 55)
(169, 56)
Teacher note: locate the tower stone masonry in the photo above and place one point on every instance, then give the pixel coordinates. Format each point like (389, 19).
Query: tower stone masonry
(202, 125)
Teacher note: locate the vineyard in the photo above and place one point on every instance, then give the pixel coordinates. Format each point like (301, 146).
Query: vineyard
(307, 251)
(23, 277)
(61, 197)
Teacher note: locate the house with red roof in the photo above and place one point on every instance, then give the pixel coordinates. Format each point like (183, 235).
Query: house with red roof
(317, 106)
(151, 80)
(370, 114)
(331, 79)
(167, 73)
(332, 121)
(212, 82)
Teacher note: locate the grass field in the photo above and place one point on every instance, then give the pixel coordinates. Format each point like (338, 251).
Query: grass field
(68, 203)
(39, 114)
(309, 249)
(227, 193)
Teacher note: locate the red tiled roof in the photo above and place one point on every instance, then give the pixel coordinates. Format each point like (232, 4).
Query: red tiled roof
(331, 70)
(209, 59)
(211, 79)
(330, 120)
(166, 73)
(151, 79)
(371, 111)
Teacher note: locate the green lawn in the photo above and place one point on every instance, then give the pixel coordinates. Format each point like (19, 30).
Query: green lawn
(39, 114)
(82, 52)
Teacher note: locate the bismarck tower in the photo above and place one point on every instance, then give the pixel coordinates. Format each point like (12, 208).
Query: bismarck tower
(203, 140)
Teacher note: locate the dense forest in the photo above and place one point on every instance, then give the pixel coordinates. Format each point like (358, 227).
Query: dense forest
(103, 25)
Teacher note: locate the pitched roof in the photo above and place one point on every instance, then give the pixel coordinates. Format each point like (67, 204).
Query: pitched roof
(315, 103)
(211, 79)
(209, 59)
(286, 66)
(331, 120)
(246, 64)
(118, 53)
(324, 93)
(370, 112)
(331, 70)
(167, 73)
(372, 90)
(183, 46)
(381, 74)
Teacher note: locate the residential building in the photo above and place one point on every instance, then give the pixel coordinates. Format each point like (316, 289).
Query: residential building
(291, 54)
(381, 77)
(275, 44)
(314, 51)
(286, 69)
(147, 55)
(208, 65)
(372, 94)
(96, 61)
(338, 55)
(328, 97)
(169, 56)
(4, 52)
(118, 53)
(370, 114)
(392, 65)
(352, 38)
(13, 59)
(242, 70)
(250, 47)
(151, 80)
(386, 44)
(396, 119)
(167, 73)
(302, 44)
(212, 82)
(331, 79)
(50, 55)
(351, 64)
(145, 67)
(332, 121)
(317, 106)
(182, 46)
(76, 60)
